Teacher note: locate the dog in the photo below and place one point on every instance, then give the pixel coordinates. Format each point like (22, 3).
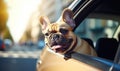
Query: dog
(60, 38)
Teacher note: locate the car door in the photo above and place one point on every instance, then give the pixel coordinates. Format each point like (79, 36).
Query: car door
(50, 61)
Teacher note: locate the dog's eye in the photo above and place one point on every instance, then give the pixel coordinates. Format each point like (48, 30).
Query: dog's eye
(63, 31)
(46, 34)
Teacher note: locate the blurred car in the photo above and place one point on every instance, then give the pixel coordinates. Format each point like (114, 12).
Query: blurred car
(2, 45)
(103, 36)
(28, 43)
(40, 44)
(8, 43)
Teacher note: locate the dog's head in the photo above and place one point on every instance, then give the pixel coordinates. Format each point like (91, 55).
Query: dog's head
(59, 36)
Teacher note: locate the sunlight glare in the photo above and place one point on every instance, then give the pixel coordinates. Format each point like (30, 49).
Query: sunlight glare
(19, 13)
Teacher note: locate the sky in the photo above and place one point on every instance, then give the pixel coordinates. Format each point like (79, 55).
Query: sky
(19, 13)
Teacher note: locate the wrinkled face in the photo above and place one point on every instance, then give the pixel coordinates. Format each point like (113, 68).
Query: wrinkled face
(59, 36)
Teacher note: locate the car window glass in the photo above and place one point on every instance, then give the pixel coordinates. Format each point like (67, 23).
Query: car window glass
(95, 28)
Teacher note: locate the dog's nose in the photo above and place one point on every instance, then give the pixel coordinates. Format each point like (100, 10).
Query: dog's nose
(56, 36)
(57, 39)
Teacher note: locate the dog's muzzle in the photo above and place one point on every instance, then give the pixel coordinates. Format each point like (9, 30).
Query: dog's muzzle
(57, 39)
(59, 43)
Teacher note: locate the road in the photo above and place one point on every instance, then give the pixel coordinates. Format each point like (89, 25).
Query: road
(19, 58)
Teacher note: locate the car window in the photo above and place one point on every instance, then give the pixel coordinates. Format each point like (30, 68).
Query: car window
(95, 28)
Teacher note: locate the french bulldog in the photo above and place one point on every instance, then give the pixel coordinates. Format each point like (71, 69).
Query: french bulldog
(60, 38)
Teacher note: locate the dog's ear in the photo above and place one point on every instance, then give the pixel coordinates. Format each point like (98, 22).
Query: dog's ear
(44, 21)
(67, 16)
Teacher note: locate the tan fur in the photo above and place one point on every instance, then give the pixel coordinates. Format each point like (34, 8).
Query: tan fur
(84, 47)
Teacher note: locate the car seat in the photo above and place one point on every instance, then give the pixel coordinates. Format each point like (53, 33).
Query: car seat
(106, 48)
(89, 41)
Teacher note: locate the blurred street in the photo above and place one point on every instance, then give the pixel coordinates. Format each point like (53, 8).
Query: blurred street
(18, 51)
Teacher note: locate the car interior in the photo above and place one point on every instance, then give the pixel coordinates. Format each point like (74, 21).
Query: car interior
(106, 47)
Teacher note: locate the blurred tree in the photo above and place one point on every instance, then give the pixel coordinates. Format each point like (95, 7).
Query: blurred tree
(7, 34)
(26, 36)
(3, 16)
(4, 31)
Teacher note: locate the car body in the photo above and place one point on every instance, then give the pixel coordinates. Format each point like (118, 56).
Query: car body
(40, 44)
(8, 43)
(87, 9)
(2, 45)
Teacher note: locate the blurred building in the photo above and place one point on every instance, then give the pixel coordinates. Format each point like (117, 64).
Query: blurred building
(50, 8)
(53, 8)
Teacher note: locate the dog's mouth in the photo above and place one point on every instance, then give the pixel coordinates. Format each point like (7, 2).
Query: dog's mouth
(61, 46)
(57, 48)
